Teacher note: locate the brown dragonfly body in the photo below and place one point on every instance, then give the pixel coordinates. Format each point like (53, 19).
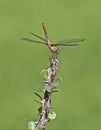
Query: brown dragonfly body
(51, 46)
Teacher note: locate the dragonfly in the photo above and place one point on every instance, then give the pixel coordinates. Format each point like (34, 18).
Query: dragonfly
(53, 46)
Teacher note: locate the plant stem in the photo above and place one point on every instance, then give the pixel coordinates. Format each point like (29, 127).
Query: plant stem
(46, 102)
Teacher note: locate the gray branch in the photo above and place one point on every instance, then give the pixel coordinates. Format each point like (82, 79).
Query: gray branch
(46, 102)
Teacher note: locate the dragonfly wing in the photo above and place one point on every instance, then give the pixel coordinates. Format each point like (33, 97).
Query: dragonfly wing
(29, 40)
(65, 44)
(38, 36)
(71, 41)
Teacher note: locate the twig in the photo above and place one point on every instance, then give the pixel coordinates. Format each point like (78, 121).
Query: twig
(46, 102)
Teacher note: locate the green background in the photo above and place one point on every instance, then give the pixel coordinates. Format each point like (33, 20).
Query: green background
(78, 104)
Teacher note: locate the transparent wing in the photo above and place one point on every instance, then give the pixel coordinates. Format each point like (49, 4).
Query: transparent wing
(70, 41)
(65, 44)
(29, 40)
(38, 36)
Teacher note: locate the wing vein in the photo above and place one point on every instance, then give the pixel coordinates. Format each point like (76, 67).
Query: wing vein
(29, 40)
(38, 36)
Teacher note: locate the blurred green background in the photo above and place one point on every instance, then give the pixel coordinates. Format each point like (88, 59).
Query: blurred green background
(78, 104)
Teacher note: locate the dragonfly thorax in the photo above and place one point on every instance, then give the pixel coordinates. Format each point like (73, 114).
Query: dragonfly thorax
(54, 50)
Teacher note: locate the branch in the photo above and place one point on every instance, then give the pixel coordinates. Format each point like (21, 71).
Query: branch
(46, 102)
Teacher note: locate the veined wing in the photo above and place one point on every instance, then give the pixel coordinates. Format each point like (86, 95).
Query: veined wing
(65, 44)
(29, 40)
(70, 41)
(38, 36)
